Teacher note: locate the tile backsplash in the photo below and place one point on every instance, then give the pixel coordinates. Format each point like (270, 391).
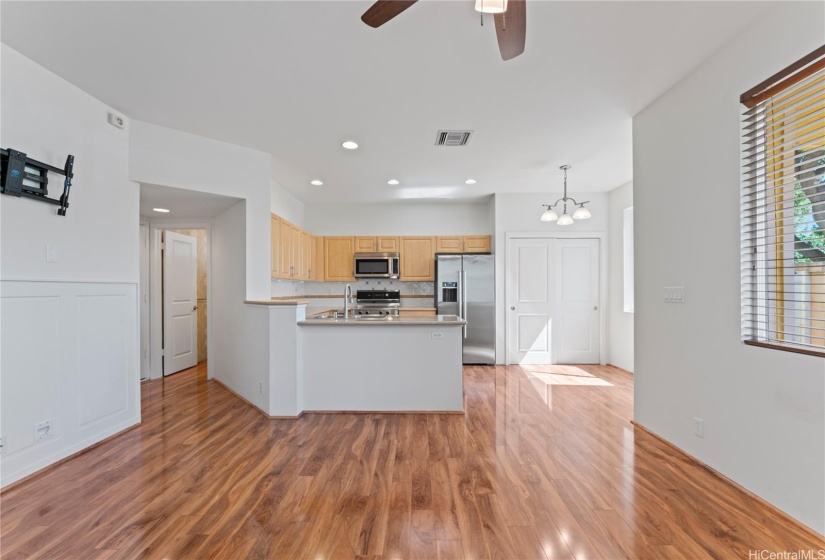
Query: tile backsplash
(286, 288)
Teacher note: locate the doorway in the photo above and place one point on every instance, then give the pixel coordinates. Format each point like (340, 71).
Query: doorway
(184, 302)
(554, 301)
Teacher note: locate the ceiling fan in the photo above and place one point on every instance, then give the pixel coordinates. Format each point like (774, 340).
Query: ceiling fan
(510, 18)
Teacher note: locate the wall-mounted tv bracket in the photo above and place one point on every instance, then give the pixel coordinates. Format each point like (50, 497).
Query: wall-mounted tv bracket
(22, 176)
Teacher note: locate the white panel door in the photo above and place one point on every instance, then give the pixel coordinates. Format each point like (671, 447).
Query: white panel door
(530, 301)
(180, 302)
(577, 301)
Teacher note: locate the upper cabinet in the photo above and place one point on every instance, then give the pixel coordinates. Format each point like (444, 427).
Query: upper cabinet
(298, 255)
(463, 244)
(339, 253)
(476, 243)
(364, 244)
(318, 260)
(449, 245)
(274, 240)
(388, 244)
(417, 259)
(292, 250)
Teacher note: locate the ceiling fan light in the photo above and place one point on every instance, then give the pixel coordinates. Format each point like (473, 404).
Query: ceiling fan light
(491, 6)
(565, 219)
(581, 213)
(549, 215)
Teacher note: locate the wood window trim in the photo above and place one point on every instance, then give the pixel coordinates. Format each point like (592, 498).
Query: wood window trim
(786, 348)
(785, 78)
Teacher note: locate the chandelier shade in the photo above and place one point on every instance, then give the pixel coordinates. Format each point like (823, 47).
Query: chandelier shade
(550, 214)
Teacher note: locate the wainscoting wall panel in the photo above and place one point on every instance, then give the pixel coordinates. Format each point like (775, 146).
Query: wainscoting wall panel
(68, 356)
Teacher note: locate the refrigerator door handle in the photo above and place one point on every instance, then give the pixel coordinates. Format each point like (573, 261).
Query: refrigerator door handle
(463, 276)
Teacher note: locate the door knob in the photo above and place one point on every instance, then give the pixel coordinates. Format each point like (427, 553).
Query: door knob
(595, 308)
(513, 308)
(194, 308)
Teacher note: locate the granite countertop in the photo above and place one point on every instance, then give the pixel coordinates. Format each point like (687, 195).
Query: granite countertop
(439, 320)
(276, 301)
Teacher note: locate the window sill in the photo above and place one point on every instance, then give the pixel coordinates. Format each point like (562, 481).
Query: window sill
(786, 348)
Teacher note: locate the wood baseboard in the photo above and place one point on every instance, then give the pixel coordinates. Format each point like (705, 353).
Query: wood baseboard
(704, 466)
(47, 468)
(621, 369)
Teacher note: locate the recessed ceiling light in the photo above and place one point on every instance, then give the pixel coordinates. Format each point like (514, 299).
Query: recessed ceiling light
(164, 210)
(393, 182)
(316, 182)
(470, 182)
(349, 145)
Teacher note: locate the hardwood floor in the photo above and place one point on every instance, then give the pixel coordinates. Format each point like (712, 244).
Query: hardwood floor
(545, 464)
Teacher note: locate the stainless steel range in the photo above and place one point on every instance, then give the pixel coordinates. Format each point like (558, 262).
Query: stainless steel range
(377, 302)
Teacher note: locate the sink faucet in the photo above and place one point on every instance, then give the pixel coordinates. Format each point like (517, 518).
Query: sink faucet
(347, 300)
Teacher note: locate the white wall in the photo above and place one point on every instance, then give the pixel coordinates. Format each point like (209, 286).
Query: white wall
(620, 322)
(69, 340)
(48, 118)
(285, 205)
(764, 419)
(520, 213)
(162, 156)
(398, 219)
(239, 335)
(239, 341)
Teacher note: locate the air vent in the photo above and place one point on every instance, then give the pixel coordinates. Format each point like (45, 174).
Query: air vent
(453, 137)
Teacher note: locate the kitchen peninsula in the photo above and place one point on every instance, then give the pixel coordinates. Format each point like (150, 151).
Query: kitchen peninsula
(363, 364)
(391, 364)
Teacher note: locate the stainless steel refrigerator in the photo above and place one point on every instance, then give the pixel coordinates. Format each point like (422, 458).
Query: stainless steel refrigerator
(465, 286)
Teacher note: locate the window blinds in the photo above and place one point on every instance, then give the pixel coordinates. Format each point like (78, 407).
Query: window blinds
(783, 209)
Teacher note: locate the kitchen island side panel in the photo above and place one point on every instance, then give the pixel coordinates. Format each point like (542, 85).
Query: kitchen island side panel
(382, 368)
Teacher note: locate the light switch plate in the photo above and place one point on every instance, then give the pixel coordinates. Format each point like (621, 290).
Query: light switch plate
(675, 294)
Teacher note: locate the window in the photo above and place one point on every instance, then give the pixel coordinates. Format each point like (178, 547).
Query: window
(783, 209)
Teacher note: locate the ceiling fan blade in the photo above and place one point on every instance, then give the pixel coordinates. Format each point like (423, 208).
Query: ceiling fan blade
(511, 29)
(384, 10)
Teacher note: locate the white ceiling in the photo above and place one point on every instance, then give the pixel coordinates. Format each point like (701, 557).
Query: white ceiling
(182, 204)
(295, 79)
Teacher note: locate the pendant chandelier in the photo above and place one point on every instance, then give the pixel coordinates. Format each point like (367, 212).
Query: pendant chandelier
(565, 219)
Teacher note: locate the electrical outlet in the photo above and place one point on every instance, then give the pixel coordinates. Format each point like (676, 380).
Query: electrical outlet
(2, 445)
(51, 254)
(261, 387)
(675, 295)
(43, 430)
(698, 427)
(437, 334)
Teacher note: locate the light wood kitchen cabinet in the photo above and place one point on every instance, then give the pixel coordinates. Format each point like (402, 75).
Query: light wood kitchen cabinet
(449, 245)
(463, 244)
(388, 244)
(318, 259)
(417, 259)
(414, 312)
(364, 244)
(275, 241)
(476, 243)
(297, 253)
(285, 249)
(338, 258)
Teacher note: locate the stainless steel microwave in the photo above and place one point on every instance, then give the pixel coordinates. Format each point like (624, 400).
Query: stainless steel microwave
(377, 265)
